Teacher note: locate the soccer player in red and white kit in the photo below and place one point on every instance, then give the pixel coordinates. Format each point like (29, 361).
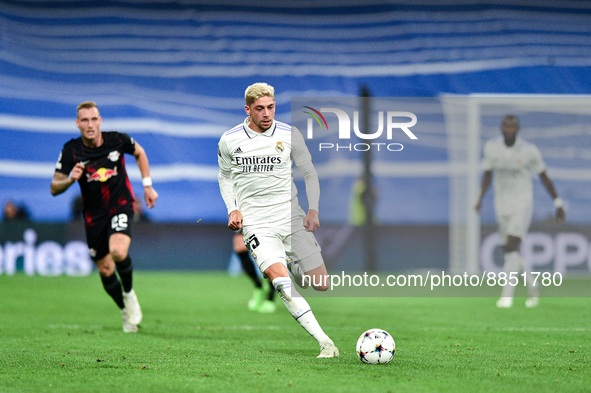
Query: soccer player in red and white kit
(96, 161)
(255, 177)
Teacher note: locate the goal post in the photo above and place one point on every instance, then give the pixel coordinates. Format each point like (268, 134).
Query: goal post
(463, 144)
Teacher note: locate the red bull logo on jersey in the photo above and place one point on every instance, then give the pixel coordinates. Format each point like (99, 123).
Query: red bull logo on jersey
(101, 174)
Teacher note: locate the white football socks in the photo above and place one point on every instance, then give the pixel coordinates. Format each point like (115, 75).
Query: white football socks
(514, 264)
(299, 308)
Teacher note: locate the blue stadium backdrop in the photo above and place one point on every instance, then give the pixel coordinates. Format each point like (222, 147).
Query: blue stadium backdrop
(172, 74)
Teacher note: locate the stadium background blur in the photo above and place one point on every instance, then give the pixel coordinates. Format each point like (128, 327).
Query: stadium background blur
(173, 74)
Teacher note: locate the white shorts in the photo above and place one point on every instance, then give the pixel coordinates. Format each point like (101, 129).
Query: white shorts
(515, 223)
(271, 243)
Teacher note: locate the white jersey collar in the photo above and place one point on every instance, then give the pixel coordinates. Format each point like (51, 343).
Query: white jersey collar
(253, 134)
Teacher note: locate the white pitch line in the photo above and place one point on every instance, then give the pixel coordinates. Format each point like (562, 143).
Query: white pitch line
(58, 326)
(245, 327)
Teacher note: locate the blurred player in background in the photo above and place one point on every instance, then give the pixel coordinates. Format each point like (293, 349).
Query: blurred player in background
(255, 177)
(264, 293)
(95, 160)
(11, 212)
(513, 159)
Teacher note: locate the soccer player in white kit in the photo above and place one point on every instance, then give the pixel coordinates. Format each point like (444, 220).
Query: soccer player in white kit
(513, 159)
(255, 176)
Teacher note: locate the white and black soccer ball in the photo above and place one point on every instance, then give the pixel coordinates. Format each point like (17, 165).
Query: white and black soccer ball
(376, 346)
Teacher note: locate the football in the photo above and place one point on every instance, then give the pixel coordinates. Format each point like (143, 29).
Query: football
(376, 346)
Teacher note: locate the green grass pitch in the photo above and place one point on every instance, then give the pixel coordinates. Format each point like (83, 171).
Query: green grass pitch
(63, 334)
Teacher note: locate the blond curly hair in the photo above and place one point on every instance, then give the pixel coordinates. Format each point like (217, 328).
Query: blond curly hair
(258, 90)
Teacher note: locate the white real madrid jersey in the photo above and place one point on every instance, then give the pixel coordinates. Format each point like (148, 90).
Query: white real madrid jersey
(256, 171)
(512, 167)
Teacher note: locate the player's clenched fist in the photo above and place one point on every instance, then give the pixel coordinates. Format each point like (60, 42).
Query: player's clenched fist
(311, 221)
(235, 220)
(150, 196)
(77, 171)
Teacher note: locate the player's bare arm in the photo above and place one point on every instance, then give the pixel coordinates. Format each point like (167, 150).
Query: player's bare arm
(552, 191)
(61, 182)
(235, 220)
(486, 180)
(311, 221)
(150, 195)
